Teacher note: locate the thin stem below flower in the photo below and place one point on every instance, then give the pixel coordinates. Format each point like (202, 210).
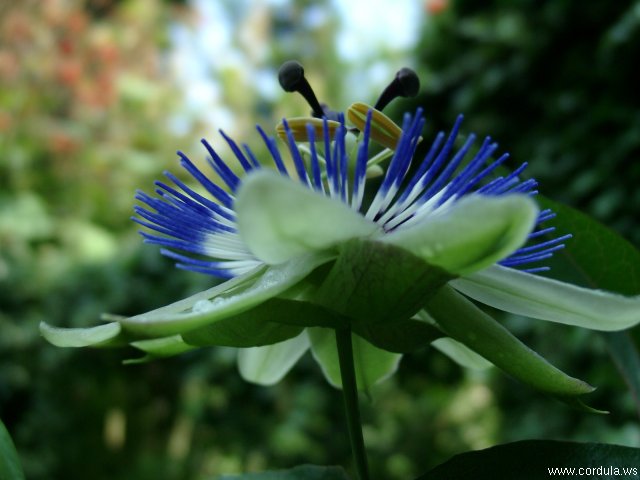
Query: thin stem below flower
(350, 395)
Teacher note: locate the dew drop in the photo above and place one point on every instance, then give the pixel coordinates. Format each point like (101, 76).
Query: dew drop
(218, 301)
(202, 306)
(271, 277)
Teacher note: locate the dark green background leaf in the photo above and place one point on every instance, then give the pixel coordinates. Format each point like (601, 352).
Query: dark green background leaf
(596, 256)
(530, 459)
(624, 353)
(303, 472)
(10, 468)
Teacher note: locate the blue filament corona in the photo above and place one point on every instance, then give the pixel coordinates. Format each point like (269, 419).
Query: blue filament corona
(203, 227)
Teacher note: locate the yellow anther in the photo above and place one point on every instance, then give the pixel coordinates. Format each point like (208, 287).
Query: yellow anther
(383, 129)
(298, 127)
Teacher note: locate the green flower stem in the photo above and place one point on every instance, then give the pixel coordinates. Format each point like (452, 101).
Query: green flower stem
(350, 395)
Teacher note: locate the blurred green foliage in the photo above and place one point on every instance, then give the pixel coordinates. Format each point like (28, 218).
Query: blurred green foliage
(85, 103)
(556, 84)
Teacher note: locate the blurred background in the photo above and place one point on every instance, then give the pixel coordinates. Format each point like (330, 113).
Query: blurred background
(96, 96)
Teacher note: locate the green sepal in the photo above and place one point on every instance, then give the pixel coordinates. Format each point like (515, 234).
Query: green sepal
(578, 404)
(372, 364)
(402, 336)
(107, 335)
(461, 354)
(372, 282)
(461, 320)
(271, 322)
(229, 299)
(159, 348)
(295, 306)
(254, 328)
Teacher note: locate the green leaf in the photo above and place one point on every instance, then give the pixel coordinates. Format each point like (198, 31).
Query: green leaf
(267, 365)
(226, 300)
(280, 219)
(372, 365)
(625, 356)
(99, 336)
(403, 336)
(373, 282)
(271, 322)
(463, 321)
(472, 234)
(10, 468)
(534, 459)
(303, 472)
(547, 299)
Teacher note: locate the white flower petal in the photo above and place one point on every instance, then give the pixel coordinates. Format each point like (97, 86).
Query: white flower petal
(372, 364)
(280, 219)
(230, 298)
(472, 234)
(100, 335)
(538, 297)
(269, 364)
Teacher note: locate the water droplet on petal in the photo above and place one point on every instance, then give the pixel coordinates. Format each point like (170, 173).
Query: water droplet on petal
(202, 306)
(271, 277)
